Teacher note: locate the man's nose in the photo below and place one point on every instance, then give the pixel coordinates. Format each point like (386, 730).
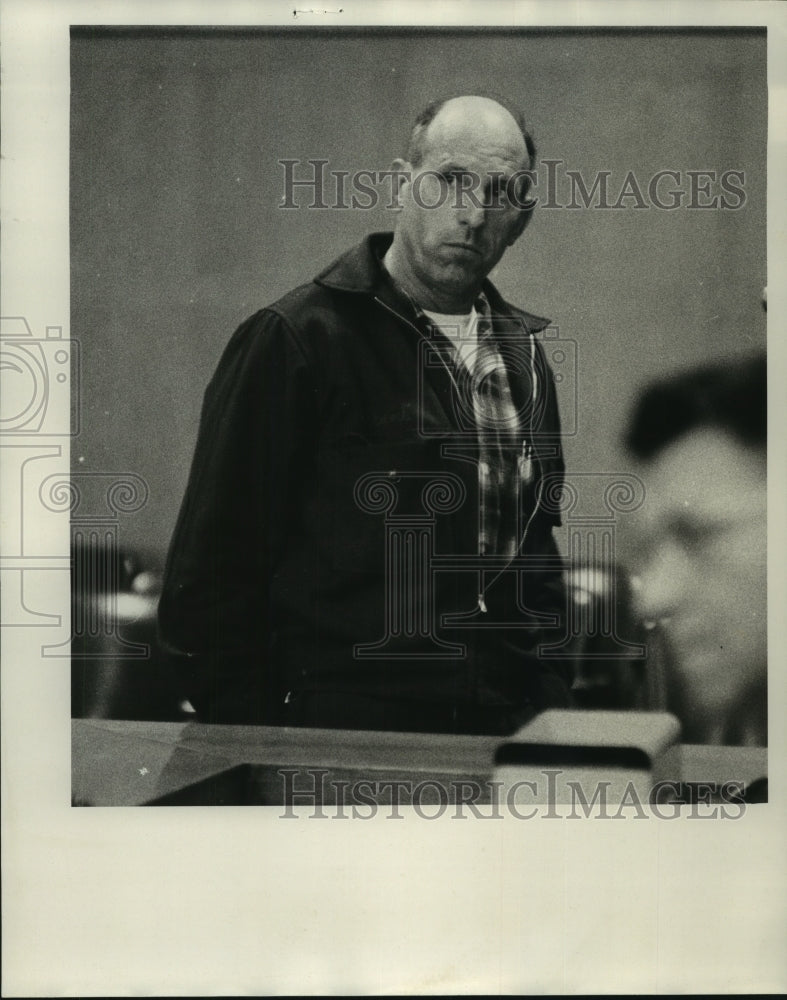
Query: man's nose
(660, 585)
(471, 214)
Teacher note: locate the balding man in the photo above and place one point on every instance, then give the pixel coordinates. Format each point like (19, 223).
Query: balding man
(364, 541)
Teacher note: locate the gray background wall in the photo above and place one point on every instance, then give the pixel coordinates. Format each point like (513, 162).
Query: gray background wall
(176, 233)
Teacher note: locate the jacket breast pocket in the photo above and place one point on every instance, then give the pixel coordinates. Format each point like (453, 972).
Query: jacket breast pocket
(363, 490)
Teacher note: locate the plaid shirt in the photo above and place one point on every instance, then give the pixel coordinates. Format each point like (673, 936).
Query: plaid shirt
(504, 463)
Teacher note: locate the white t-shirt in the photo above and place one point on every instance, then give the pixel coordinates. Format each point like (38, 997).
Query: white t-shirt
(460, 330)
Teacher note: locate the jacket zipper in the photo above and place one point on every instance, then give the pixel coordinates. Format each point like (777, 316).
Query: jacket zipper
(420, 333)
(528, 452)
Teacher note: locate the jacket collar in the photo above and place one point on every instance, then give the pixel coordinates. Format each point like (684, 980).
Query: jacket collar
(360, 271)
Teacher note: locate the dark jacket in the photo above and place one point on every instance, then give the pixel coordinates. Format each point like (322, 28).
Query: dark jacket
(279, 573)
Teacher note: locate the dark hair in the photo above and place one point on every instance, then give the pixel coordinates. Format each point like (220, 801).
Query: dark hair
(415, 145)
(731, 396)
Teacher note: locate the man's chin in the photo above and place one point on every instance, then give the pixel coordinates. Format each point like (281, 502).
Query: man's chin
(461, 274)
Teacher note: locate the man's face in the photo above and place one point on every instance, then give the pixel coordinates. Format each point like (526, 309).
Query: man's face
(472, 149)
(703, 575)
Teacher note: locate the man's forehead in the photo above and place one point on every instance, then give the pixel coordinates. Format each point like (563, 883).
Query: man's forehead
(467, 129)
(705, 473)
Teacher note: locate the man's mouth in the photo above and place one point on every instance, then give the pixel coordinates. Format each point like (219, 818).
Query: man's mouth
(466, 247)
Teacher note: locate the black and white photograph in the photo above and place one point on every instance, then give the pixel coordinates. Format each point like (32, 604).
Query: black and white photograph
(391, 450)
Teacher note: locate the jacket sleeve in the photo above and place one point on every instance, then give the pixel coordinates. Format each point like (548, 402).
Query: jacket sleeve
(549, 596)
(550, 593)
(556, 674)
(255, 429)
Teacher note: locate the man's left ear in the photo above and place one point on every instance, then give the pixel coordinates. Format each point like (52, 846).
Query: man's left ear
(401, 171)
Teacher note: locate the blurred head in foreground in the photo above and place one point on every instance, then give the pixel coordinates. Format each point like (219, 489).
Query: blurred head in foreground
(701, 439)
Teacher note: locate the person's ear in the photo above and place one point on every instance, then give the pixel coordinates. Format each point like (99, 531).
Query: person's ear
(401, 172)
